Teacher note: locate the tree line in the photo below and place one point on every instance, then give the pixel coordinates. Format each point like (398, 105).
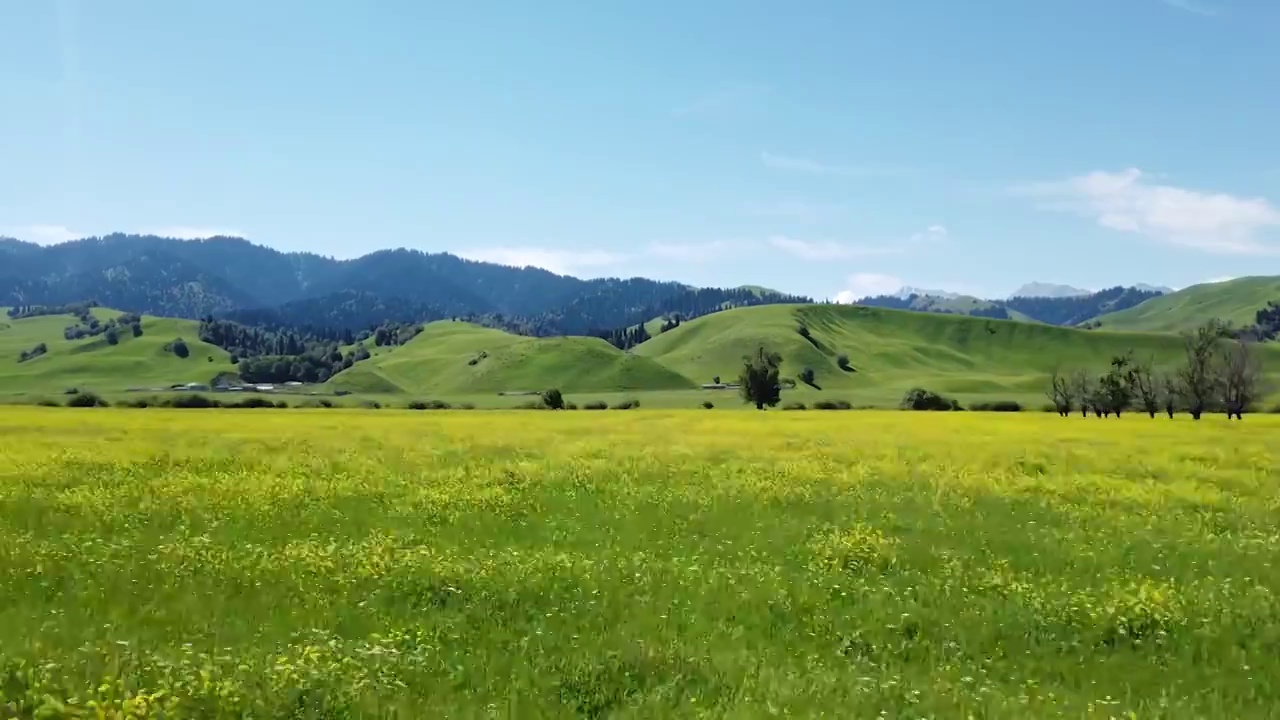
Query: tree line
(1220, 370)
(279, 355)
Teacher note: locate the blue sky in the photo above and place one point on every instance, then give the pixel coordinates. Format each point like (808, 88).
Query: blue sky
(829, 148)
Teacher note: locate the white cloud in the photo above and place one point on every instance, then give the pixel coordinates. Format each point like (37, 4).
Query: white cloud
(43, 234)
(861, 285)
(831, 250)
(563, 262)
(792, 163)
(187, 232)
(1126, 201)
(1192, 6)
(826, 249)
(931, 234)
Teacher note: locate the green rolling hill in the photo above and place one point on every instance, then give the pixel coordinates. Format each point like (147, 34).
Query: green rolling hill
(890, 351)
(92, 363)
(1236, 301)
(894, 350)
(440, 359)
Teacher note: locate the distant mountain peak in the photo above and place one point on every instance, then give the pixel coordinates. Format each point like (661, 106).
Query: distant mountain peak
(907, 291)
(1049, 290)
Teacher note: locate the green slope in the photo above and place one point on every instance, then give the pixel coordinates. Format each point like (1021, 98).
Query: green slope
(894, 350)
(92, 363)
(1234, 300)
(437, 361)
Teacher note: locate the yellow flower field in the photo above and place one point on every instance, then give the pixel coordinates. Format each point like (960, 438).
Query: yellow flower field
(332, 563)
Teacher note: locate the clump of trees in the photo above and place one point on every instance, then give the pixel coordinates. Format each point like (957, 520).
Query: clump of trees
(628, 337)
(553, 399)
(808, 376)
(79, 309)
(89, 326)
(265, 354)
(178, 347)
(922, 399)
(758, 382)
(1219, 370)
(34, 352)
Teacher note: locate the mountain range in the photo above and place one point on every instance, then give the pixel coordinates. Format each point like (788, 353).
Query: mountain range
(235, 279)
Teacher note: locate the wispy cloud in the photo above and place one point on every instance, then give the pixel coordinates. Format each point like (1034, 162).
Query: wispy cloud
(792, 163)
(931, 234)
(1193, 6)
(722, 99)
(861, 285)
(832, 250)
(693, 252)
(559, 261)
(42, 234)
(186, 232)
(1127, 202)
(827, 249)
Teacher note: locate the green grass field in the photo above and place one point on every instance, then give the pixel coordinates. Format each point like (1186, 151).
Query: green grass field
(1236, 301)
(647, 564)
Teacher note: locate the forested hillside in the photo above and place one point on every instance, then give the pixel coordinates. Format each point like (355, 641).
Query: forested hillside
(1067, 310)
(253, 284)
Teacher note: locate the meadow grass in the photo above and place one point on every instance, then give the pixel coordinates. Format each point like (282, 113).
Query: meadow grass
(643, 564)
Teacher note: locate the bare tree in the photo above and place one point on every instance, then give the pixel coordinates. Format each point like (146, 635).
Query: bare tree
(1169, 390)
(1238, 374)
(1059, 392)
(1197, 379)
(1146, 386)
(1082, 388)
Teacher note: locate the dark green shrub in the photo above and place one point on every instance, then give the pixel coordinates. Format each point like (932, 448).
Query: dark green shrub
(794, 406)
(553, 399)
(252, 402)
(922, 399)
(707, 404)
(997, 406)
(371, 405)
(137, 403)
(87, 399)
(467, 406)
(570, 406)
(193, 402)
(832, 405)
(842, 362)
(282, 405)
(627, 404)
(416, 405)
(596, 405)
(807, 376)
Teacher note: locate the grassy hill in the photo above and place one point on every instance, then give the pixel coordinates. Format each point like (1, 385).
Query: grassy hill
(894, 350)
(92, 363)
(454, 358)
(890, 351)
(1234, 300)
